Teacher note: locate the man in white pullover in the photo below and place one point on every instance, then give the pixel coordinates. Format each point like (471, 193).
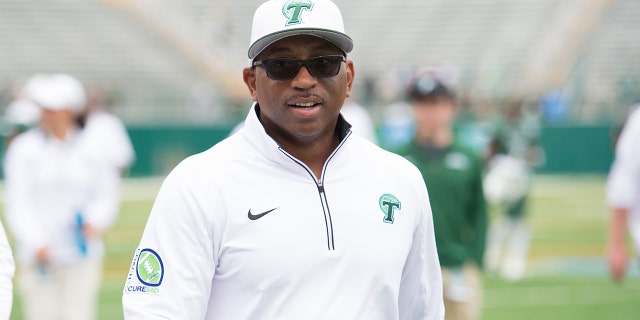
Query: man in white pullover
(293, 217)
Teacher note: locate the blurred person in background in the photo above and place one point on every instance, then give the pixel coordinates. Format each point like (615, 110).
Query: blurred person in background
(107, 134)
(7, 269)
(60, 199)
(623, 196)
(396, 127)
(512, 154)
(19, 116)
(452, 172)
(294, 216)
(360, 119)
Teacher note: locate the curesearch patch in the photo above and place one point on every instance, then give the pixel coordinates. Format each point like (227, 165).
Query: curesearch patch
(389, 204)
(149, 268)
(148, 279)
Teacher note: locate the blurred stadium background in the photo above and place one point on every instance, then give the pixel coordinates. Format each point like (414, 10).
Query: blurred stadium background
(176, 65)
(171, 69)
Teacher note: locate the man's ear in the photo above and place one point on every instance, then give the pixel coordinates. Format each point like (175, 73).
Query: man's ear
(249, 77)
(350, 75)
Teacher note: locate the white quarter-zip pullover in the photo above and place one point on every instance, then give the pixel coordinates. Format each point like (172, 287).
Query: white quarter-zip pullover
(245, 231)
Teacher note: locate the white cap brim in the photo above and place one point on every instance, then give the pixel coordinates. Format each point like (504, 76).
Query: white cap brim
(341, 40)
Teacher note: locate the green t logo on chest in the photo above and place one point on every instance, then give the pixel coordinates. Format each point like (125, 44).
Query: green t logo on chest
(388, 204)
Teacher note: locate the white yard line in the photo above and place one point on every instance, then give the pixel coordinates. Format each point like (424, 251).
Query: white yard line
(576, 266)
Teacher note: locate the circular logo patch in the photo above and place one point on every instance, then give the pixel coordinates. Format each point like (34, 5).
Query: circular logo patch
(149, 268)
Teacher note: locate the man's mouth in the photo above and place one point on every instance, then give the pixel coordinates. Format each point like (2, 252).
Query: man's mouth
(304, 105)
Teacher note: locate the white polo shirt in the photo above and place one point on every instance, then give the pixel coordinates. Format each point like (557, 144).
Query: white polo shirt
(48, 184)
(109, 136)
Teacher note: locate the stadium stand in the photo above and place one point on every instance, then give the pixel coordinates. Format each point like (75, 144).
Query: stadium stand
(154, 54)
(99, 44)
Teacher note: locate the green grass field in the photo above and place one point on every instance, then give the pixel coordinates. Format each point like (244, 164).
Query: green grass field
(566, 278)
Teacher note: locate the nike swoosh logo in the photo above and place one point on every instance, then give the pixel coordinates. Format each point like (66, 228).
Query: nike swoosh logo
(258, 216)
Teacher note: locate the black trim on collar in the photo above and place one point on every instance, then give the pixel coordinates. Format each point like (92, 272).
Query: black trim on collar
(342, 127)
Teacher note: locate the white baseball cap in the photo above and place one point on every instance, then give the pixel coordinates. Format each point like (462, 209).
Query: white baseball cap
(278, 19)
(56, 91)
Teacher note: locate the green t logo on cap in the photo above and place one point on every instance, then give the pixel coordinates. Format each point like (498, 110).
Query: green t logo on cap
(292, 10)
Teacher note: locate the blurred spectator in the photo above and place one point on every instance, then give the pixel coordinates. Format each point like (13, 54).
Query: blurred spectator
(513, 152)
(107, 134)
(360, 120)
(554, 106)
(452, 172)
(7, 269)
(623, 196)
(20, 115)
(397, 127)
(60, 199)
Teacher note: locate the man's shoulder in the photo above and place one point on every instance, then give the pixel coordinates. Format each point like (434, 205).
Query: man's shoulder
(32, 138)
(634, 117)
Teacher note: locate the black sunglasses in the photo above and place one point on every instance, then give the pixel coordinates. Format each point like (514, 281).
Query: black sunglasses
(287, 69)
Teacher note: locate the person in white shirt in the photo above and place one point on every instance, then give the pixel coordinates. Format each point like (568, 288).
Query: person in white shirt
(60, 199)
(623, 196)
(110, 136)
(19, 116)
(107, 133)
(7, 269)
(360, 119)
(294, 216)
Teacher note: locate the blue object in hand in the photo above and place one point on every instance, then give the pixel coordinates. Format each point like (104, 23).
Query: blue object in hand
(81, 240)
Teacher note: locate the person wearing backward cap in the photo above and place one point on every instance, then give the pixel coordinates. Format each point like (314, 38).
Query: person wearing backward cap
(293, 216)
(453, 173)
(60, 199)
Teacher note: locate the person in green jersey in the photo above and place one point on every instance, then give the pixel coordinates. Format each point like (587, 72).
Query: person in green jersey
(514, 153)
(453, 175)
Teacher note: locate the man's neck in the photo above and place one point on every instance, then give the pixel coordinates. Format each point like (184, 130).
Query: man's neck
(438, 138)
(60, 133)
(313, 154)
